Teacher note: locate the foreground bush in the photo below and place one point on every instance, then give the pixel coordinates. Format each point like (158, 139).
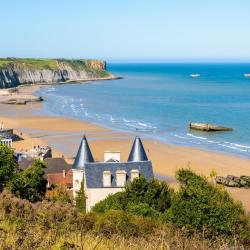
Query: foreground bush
(198, 206)
(59, 194)
(156, 195)
(46, 225)
(202, 206)
(119, 222)
(142, 209)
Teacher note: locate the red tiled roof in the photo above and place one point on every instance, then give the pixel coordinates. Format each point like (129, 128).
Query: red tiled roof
(59, 179)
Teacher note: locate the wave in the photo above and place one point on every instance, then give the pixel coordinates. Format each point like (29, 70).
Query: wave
(196, 137)
(237, 145)
(233, 147)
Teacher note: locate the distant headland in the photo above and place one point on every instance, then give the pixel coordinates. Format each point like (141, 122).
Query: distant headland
(18, 71)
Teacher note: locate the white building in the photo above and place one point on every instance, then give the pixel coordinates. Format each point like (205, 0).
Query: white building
(7, 142)
(110, 176)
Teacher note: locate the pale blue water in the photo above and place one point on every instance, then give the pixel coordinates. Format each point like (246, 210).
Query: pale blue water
(159, 100)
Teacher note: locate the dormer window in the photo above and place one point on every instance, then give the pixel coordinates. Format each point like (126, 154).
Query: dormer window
(134, 174)
(121, 178)
(112, 156)
(106, 178)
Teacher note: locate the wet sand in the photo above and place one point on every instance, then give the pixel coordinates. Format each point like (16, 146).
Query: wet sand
(65, 134)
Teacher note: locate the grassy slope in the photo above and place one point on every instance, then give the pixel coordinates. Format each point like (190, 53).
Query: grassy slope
(57, 226)
(30, 63)
(51, 64)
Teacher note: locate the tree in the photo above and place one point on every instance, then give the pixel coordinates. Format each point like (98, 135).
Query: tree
(8, 165)
(200, 205)
(30, 184)
(153, 195)
(81, 199)
(157, 194)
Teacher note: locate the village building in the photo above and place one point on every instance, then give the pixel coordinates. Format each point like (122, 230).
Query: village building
(7, 136)
(37, 152)
(110, 176)
(6, 141)
(58, 171)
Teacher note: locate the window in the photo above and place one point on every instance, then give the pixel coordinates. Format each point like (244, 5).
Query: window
(134, 174)
(77, 182)
(106, 178)
(121, 178)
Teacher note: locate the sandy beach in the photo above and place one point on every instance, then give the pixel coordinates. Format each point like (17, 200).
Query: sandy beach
(64, 136)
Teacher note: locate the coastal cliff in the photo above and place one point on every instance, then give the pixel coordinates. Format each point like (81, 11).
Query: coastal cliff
(18, 71)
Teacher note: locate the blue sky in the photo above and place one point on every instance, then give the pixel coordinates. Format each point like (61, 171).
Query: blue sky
(143, 30)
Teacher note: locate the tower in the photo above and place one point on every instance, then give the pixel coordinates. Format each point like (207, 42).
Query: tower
(83, 155)
(137, 152)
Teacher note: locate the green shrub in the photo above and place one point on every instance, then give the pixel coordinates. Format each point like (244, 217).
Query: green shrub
(115, 222)
(119, 222)
(156, 194)
(159, 195)
(117, 201)
(200, 205)
(142, 209)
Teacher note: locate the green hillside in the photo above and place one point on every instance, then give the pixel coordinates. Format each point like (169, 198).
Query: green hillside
(52, 64)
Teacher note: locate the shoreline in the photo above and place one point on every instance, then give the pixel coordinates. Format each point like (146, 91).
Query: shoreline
(25, 93)
(64, 135)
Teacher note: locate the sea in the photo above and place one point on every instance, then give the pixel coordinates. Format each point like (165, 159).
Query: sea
(159, 100)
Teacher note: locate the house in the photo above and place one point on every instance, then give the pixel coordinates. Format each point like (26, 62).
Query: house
(58, 171)
(37, 152)
(110, 176)
(8, 135)
(6, 141)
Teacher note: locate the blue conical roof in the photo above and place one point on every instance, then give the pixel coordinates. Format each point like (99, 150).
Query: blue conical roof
(83, 155)
(137, 152)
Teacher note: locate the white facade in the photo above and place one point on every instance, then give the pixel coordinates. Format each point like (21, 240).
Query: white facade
(77, 180)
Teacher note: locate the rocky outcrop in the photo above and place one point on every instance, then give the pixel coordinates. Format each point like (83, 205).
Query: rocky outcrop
(234, 181)
(20, 71)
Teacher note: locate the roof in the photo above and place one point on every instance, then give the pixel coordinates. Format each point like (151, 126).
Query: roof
(137, 152)
(55, 165)
(59, 179)
(83, 155)
(94, 171)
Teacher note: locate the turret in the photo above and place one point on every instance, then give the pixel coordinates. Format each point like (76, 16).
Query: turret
(83, 156)
(137, 152)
